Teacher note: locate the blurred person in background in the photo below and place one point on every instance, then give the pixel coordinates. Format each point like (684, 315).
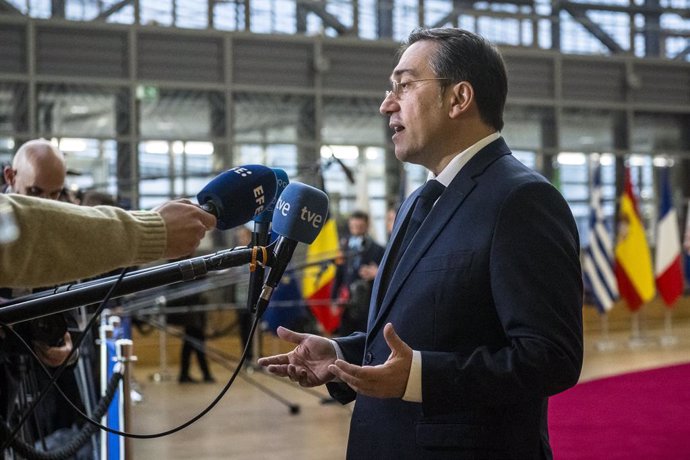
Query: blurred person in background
(354, 277)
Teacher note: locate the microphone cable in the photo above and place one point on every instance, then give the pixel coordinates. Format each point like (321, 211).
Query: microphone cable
(87, 418)
(60, 370)
(69, 449)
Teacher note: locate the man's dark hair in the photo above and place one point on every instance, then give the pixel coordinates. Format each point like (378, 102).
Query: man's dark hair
(359, 215)
(465, 56)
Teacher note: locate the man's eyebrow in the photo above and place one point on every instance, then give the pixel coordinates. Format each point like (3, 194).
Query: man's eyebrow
(399, 73)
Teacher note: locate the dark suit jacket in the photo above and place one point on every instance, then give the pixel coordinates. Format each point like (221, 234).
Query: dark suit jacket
(354, 317)
(348, 272)
(490, 292)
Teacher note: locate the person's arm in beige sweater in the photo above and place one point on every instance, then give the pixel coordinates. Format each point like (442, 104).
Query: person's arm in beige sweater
(60, 242)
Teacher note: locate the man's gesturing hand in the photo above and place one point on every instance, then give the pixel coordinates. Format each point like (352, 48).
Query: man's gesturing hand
(387, 380)
(307, 364)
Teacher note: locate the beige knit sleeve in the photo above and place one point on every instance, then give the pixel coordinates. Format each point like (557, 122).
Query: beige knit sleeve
(60, 242)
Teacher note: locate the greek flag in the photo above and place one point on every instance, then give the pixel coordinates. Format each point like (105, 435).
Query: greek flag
(597, 265)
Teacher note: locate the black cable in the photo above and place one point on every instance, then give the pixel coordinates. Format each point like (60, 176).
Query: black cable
(76, 346)
(88, 419)
(26, 450)
(59, 371)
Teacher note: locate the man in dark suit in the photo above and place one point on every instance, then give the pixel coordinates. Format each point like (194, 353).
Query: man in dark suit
(475, 317)
(354, 277)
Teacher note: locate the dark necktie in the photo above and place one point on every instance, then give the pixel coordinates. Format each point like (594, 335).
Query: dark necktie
(425, 201)
(422, 206)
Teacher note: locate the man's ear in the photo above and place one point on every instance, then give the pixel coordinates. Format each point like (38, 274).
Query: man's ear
(462, 98)
(8, 173)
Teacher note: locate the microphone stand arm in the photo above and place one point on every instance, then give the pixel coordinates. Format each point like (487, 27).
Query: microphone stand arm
(36, 306)
(260, 237)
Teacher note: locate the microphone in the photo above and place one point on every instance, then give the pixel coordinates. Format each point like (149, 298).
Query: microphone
(282, 181)
(299, 214)
(238, 194)
(260, 237)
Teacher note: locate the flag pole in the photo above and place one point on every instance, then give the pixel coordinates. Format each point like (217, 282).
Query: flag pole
(668, 339)
(605, 343)
(635, 340)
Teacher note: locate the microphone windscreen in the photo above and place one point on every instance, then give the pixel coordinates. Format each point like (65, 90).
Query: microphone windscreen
(281, 182)
(300, 212)
(239, 194)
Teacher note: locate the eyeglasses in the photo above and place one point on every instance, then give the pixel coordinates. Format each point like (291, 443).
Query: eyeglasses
(38, 192)
(399, 88)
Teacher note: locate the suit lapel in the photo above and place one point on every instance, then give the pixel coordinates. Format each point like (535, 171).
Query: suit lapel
(403, 215)
(447, 205)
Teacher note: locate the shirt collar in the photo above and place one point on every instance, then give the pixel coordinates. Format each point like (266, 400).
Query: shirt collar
(453, 168)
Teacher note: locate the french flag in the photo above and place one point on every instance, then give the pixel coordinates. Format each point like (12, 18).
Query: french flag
(667, 269)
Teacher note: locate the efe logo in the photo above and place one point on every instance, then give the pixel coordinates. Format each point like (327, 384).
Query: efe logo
(244, 172)
(259, 199)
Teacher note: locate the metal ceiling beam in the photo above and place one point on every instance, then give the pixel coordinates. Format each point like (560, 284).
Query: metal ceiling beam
(631, 9)
(465, 6)
(593, 28)
(328, 19)
(458, 8)
(112, 10)
(8, 8)
(681, 56)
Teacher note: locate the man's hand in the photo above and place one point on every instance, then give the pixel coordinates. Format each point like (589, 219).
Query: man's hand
(387, 380)
(54, 356)
(185, 224)
(368, 272)
(307, 364)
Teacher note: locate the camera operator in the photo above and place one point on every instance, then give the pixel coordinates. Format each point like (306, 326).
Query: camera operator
(38, 169)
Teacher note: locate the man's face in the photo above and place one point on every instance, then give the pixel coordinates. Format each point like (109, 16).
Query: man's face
(43, 182)
(419, 113)
(357, 227)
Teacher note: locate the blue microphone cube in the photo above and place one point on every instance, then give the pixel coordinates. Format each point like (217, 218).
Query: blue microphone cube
(300, 212)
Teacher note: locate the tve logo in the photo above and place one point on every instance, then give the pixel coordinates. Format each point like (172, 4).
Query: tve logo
(283, 206)
(314, 218)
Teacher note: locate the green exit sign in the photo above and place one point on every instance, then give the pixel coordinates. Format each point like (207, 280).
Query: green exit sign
(147, 93)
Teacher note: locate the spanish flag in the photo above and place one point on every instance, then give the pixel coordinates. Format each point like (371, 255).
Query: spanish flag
(633, 266)
(319, 275)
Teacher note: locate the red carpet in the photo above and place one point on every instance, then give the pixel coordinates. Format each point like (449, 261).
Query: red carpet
(643, 415)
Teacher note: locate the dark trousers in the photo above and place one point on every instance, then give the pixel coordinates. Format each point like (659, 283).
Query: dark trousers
(198, 347)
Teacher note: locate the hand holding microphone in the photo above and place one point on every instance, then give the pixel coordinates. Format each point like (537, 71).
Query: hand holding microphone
(230, 199)
(238, 194)
(185, 226)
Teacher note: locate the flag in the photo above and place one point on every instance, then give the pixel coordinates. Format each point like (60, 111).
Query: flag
(318, 277)
(686, 244)
(286, 307)
(633, 265)
(667, 264)
(597, 264)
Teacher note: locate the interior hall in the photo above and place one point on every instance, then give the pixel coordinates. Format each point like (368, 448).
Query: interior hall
(136, 104)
